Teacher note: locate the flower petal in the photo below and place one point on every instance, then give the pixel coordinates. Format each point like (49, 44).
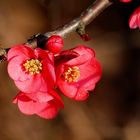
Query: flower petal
(40, 96)
(81, 94)
(134, 20)
(15, 70)
(20, 50)
(78, 60)
(82, 49)
(28, 106)
(48, 73)
(90, 74)
(67, 89)
(58, 101)
(71, 91)
(49, 112)
(32, 85)
(85, 54)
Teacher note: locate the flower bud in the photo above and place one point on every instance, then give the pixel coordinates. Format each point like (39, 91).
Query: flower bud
(54, 44)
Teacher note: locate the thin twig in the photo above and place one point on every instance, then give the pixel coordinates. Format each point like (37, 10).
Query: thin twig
(85, 18)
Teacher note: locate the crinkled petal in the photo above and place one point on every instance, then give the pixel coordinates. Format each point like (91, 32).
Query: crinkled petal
(48, 73)
(32, 85)
(20, 50)
(139, 19)
(28, 106)
(22, 97)
(134, 20)
(90, 74)
(85, 54)
(52, 107)
(15, 69)
(82, 49)
(66, 88)
(49, 112)
(72, 91)
(57, 99)
(81, 94)
(39, 53)
(78, 60)
(40, 96)
(65, 56)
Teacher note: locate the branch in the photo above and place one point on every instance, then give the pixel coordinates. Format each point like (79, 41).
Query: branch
(85, 18)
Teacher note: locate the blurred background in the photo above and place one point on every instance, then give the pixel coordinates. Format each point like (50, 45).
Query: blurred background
(112, 111)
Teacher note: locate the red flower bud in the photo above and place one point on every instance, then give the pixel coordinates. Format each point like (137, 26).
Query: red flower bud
(54, 44)
(85, 37)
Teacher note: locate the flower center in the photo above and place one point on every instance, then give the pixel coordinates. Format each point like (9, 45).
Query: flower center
(71, 74)
(33, 66)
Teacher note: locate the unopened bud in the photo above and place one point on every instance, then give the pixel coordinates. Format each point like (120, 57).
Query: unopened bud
(54, 44)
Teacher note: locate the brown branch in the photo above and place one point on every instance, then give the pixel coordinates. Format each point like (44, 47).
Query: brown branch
(85, 18)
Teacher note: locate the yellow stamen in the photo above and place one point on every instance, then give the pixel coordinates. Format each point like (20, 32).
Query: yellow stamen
(33, 66)
(72, 74)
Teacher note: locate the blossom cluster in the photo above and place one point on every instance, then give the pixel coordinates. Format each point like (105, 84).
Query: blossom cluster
(40, 73)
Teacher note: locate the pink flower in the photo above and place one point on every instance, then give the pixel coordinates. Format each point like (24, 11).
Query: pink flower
(31, 69)
(47, 109)
(77, 72)
(125, 0)
(134, 20)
